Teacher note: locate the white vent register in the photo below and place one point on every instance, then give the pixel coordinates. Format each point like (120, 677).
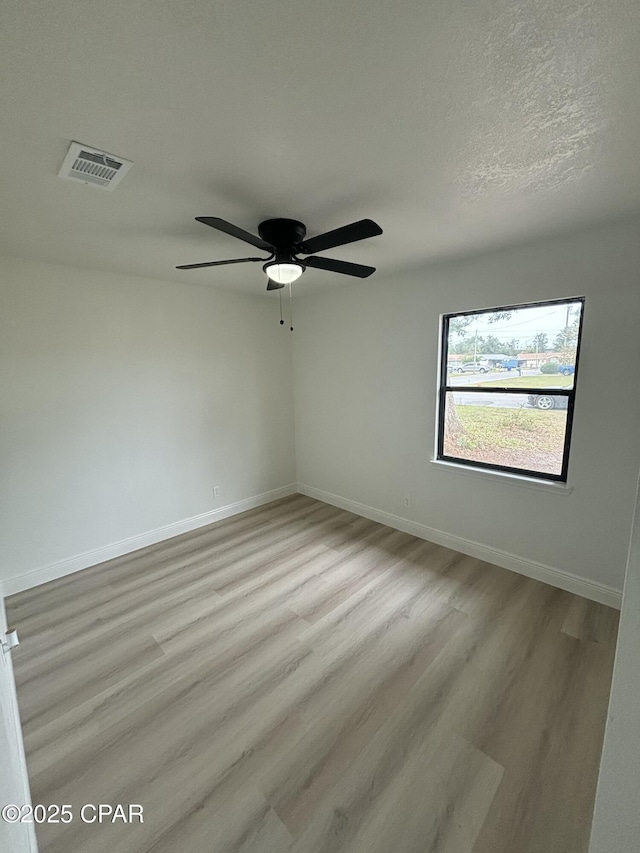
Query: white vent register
(90, 166)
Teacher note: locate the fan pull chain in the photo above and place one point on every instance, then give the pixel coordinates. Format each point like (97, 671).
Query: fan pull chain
(291, 306)
(281, 320)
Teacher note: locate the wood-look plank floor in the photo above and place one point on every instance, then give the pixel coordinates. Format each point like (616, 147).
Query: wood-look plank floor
(300, 679)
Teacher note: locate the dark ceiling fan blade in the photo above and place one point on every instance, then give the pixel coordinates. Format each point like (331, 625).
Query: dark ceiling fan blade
(273, 285)
(340, 236)
(359, 270)
(219, 263)
(234, 231)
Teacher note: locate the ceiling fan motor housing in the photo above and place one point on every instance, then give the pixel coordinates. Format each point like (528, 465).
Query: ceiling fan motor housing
(285, 235)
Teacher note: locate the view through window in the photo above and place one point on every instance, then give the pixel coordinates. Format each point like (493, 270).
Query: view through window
(507, 386)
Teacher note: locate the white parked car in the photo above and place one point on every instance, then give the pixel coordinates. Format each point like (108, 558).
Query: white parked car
(473, 367)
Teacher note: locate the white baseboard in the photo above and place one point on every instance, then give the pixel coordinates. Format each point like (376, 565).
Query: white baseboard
(117, 549)
(538, 571)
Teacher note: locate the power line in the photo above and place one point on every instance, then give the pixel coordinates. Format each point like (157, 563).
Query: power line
(508, 336)
(558, 311)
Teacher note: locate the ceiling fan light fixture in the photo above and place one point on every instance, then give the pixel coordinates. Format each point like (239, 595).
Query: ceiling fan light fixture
(283, 272)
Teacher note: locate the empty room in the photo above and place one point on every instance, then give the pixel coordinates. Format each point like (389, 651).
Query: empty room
(319, 446)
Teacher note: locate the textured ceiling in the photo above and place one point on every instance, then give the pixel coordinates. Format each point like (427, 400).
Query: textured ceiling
(458, 126)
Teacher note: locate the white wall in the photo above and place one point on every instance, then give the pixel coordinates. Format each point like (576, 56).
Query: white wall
(14, 781)
(365, 392)
(124, 401)
(616, 820)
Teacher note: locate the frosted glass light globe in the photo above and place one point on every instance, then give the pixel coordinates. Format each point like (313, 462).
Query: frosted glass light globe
(284, 273)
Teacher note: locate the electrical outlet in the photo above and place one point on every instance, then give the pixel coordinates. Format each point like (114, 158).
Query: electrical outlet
(407, 502)
(216, 491)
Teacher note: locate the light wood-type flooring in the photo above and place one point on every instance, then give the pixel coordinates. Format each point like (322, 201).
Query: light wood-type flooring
(297, 678)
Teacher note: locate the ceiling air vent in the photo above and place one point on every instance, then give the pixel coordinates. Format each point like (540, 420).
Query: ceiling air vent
(94, 167)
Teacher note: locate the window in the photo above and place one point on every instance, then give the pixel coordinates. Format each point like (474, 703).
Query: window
(507, 387)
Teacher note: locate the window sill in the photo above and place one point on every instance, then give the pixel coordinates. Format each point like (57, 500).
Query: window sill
(500, 476)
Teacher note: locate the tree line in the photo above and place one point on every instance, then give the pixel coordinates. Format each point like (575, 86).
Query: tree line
(468, 343)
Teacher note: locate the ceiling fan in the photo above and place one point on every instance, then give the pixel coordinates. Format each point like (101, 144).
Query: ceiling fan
(284, 239)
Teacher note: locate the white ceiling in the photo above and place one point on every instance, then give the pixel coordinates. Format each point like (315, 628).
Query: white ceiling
(458, 125)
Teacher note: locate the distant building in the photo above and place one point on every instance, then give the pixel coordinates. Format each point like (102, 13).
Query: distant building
(495, 359)
(535, 359)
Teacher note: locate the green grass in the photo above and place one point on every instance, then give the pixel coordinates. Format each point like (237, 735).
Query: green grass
(519, 438)
(512, 428)
(545, 380)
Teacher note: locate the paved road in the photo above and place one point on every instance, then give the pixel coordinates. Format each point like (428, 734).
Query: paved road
(497, 401)
(478, 378)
